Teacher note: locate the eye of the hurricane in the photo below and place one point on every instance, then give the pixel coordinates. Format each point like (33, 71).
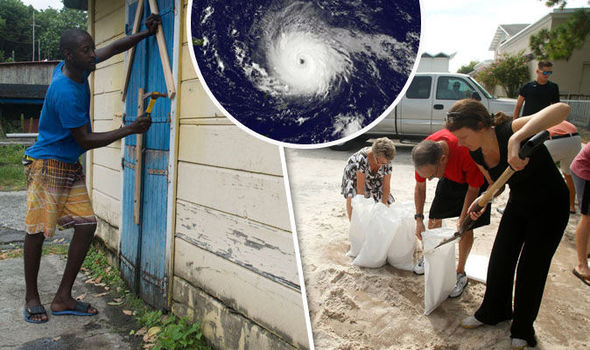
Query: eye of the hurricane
(305, 72)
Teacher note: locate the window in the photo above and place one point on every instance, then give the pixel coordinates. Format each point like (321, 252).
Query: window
(451, 88)
(420, 87)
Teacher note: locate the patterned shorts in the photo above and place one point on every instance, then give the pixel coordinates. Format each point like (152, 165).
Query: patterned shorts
(56, 196)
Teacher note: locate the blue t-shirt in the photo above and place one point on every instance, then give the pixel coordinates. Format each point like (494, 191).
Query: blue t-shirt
(66, 106)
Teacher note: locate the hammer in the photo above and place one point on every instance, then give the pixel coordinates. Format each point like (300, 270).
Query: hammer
(153, 96)
(525, 151)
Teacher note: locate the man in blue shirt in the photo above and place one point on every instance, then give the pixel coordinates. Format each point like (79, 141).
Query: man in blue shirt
(56, 190)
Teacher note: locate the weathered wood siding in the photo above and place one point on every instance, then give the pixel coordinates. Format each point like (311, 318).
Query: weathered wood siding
(235, 267)
(107, 109)
(234, 262)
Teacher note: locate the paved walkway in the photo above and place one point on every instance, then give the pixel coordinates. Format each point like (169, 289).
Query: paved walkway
(107, 330)
(12, 221)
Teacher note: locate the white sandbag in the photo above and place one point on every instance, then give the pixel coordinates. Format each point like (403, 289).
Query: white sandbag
(361, 208)
(440, 276)
(378, 237)
(401, 251)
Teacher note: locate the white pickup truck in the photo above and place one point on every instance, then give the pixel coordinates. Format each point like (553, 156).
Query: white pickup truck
(424, 107)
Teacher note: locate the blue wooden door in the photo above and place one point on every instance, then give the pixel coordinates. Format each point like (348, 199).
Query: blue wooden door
(143, 246)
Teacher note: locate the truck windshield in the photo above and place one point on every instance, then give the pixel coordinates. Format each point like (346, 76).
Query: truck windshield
(487, 94)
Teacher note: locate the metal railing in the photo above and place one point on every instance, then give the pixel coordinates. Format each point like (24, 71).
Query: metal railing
(580, 113)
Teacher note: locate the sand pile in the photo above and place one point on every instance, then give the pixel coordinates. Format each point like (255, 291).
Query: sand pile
(361, 308)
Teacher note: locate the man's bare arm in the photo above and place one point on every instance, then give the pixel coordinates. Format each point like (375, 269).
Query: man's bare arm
(128, 42)
(90, 140)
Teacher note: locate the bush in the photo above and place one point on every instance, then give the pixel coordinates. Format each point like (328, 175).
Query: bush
(509, 71)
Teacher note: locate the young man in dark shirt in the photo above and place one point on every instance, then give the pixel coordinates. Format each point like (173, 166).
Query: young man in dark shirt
(538, 93)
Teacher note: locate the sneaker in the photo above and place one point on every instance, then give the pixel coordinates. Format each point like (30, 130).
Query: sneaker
(470, 322)
(419, 267)
(500, 210)
(460, 286)
(518, 344)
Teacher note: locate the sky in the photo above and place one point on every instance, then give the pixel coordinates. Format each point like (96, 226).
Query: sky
(43, 4)
(464, 27)
(467, 27)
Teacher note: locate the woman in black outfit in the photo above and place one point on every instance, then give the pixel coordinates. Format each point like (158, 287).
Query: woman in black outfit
(534, 219)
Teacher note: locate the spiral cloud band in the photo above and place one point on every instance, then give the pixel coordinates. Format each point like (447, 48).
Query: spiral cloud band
(305, 72)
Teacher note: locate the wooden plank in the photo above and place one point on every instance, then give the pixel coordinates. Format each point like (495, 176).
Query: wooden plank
(131, 52)
(170, 85)
(108, 79)
(114, 59)
(109, 27)
(107, 125)
(257, 197)
(222, 326)
(109, 157)
(107, 208)
(107, 181)
(188, 68)
(138, 162)
(195, 102)
(207, 121)
(260, 248)
(228, 147)
(106, 106)
(108, 234)
(270, 304)
(107, 7)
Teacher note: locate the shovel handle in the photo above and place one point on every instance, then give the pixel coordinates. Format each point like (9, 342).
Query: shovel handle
(487, 196)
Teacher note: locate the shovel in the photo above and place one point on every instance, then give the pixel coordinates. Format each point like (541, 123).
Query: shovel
(525, 151)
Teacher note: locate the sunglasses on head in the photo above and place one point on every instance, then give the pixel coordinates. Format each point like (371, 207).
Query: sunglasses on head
(549, 72)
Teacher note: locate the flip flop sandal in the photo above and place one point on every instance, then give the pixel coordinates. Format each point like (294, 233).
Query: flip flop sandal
(585, 279)
(30, 311)
(81, 309)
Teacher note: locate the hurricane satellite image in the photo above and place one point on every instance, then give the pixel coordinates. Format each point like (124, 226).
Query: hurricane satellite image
(305, 72)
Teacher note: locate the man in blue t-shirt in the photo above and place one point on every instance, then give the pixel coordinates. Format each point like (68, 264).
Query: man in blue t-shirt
(56, 189)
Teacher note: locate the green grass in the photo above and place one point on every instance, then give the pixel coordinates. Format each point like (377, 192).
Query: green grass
(12, 177)
(159, 331)
(49, 249)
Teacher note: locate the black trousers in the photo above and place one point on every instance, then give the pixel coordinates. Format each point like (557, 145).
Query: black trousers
(448, 202)
(532, 231)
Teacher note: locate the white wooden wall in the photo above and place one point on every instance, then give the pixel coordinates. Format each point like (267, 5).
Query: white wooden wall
(105, 163)
(234, 261)
(233, 236)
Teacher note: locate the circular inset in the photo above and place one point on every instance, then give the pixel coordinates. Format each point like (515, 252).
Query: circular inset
(305, 73)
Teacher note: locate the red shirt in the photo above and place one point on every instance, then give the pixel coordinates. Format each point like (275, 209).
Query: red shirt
(562, 128)
(460, 167)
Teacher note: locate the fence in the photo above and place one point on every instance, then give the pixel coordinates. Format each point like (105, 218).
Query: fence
(580, 113)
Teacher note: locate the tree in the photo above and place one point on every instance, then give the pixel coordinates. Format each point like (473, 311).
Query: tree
(52, 24)
(560, 3)
(509, 71)
(16, 33)
(563, 40)
(467, 68)
(16, 30)
(487, 78)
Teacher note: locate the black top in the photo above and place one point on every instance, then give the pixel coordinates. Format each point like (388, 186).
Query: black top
(537, 96)
(539, 179)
